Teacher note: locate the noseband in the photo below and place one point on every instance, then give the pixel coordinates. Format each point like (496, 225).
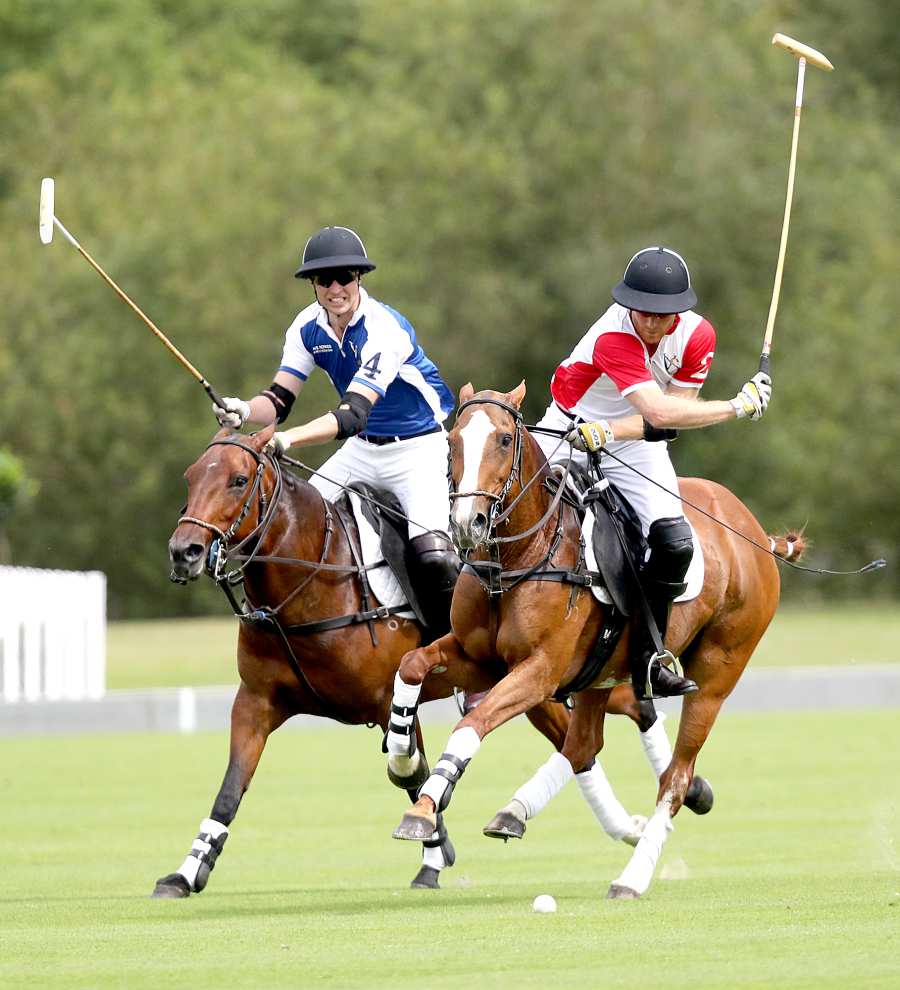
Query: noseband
(496, 499)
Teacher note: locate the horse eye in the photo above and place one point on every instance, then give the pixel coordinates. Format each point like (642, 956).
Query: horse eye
(239, 481)
(506, 439)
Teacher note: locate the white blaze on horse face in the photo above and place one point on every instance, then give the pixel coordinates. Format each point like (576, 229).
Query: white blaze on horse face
(474, 436)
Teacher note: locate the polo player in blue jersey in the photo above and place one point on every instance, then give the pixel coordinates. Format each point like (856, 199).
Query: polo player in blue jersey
(392, 405)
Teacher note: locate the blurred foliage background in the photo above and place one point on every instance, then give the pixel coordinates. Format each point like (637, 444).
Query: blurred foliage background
(502, 161)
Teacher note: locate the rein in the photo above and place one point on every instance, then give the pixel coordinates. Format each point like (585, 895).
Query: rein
(873, 565)
(221, 555)
(514, 475)
(492, 570)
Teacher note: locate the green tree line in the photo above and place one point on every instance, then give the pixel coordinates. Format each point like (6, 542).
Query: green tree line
(502, 161)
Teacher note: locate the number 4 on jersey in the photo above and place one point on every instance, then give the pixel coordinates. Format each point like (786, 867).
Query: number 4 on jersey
(371, 366)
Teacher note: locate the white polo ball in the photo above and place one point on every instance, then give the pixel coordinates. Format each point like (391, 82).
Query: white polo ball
(544, 904)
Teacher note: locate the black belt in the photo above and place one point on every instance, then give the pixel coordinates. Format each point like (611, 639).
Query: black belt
(381, 441)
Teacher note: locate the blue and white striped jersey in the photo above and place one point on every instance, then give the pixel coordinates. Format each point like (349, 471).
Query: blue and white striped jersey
(378, 349)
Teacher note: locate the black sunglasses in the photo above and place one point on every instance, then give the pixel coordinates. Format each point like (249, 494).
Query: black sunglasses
(343, 276)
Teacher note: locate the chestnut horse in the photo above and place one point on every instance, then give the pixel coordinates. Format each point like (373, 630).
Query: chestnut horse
(543, 631)
(297, 566)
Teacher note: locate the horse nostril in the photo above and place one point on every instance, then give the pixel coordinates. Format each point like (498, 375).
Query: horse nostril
(189, 554)
(479, 524)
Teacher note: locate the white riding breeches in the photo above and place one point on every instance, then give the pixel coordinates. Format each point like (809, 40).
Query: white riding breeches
(649, 501)
(414, 470)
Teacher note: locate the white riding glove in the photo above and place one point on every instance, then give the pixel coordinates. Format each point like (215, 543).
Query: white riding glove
(277, 445)
(233, 412)
(591, 436)
(753, 398)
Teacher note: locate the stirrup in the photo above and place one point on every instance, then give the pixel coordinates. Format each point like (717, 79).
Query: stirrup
(664, 658)
(666, 662)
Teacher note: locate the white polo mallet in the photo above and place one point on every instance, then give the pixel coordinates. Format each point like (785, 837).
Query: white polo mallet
(805, 54)
(46, 221)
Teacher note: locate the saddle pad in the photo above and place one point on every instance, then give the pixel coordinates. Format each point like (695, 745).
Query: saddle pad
(385, 587)
(694, 576)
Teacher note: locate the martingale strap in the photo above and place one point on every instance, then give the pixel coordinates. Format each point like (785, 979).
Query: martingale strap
(489, 569)
(262, 616)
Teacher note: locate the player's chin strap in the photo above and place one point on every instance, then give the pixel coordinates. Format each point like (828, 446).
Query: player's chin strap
(873, 565)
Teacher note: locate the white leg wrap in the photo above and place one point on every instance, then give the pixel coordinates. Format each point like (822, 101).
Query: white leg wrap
(534, 795)
(596, 790)
(433, 856)
(191, 865)
(405, 696)
(639, 871)
(463, 744)
(656, 745)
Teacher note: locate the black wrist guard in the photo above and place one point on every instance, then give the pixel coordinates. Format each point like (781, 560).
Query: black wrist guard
(351, 414)
(654, 435)
(281, 398)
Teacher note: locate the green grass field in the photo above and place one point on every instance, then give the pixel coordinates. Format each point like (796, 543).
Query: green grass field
(164, 653)
(792, 881)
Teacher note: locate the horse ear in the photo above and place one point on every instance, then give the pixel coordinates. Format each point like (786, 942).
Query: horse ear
(259, 440)
(466, 393)
(517, 394)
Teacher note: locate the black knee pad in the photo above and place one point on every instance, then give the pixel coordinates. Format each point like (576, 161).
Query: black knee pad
(435, 561)
(671, 548)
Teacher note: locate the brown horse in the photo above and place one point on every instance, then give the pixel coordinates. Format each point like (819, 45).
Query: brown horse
(544, 630)
(305, 643)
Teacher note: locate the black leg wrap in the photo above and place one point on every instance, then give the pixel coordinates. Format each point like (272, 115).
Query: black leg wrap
(402, 730)
(442, 839)
(450, 775)
(207, 859)
(648, 715)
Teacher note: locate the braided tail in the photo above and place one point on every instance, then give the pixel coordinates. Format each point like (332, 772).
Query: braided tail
(789, 546)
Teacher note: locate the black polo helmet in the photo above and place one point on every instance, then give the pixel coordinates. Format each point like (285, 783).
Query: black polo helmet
(333, 247)
(656, 280)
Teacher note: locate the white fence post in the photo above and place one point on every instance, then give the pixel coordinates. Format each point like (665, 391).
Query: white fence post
(52, 634)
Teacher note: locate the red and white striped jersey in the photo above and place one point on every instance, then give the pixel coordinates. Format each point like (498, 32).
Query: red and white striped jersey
(611, 360)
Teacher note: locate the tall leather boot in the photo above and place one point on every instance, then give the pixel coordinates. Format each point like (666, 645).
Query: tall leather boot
(434, 567)
(671, 548)
(648, 671)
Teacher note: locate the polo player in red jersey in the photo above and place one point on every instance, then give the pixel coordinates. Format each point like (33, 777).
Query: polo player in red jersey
(630, 382)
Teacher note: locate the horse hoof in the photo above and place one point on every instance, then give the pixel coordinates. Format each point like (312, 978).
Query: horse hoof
(408, 774)
(171, 887)
(619, 893)
(504, 826)
(416, 828)
(426, 879)
(699, 797)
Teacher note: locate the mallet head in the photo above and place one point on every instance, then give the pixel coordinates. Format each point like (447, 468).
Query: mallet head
(45, 221)
(803, 51)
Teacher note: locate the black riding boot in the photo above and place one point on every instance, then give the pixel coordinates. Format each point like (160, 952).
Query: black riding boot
(434, 567)
(663, 682)
(671, 548)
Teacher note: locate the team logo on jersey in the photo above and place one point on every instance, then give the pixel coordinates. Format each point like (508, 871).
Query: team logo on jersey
(323, 348)
(672, 364)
